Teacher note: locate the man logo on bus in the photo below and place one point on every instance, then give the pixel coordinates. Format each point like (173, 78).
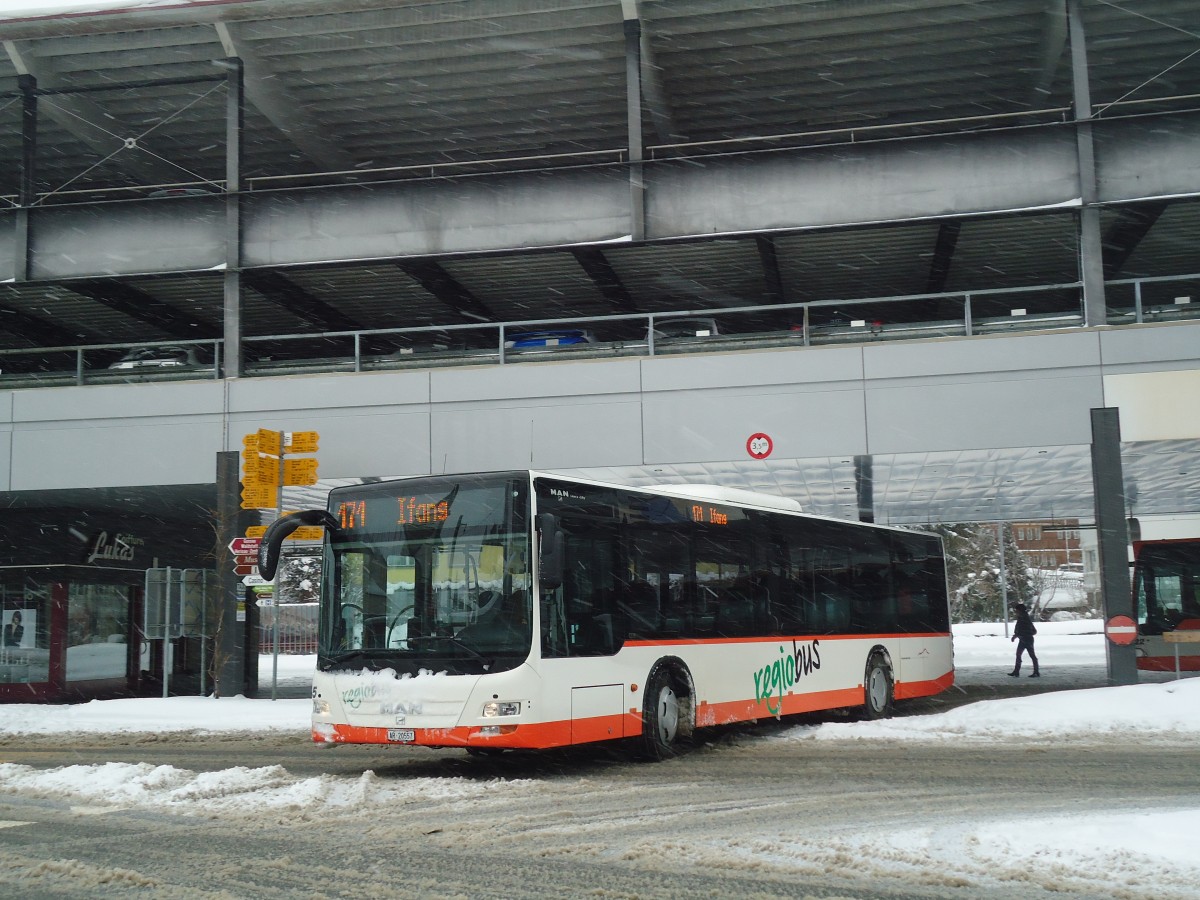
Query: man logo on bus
(772, 680)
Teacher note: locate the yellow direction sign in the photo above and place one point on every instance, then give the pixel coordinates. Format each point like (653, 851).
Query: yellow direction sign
(299, 471)
(270, 441)
(259, 497)
(301, 441)
(307, 533)
(256, 531)
(259, 469)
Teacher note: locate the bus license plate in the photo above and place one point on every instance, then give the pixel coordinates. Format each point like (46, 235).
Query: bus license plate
(401, 735)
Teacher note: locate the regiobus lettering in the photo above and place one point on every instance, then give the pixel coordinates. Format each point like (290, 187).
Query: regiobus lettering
(784, 672)
(526, 610)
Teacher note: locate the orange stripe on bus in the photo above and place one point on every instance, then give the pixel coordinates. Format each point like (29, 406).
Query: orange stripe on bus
(907, 690)
(545, 735)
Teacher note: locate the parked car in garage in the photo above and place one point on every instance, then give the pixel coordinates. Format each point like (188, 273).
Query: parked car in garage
(548, 338)
(685, 327)
(169, 356)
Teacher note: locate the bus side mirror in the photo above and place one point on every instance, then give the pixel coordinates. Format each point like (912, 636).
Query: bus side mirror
(277, 531)
(550, 558)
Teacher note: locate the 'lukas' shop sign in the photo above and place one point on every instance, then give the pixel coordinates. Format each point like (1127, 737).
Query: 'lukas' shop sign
(118, 547)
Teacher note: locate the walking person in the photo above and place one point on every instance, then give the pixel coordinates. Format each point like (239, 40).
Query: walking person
(1023, 632)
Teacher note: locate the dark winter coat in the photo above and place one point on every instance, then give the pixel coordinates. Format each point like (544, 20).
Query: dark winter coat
(1024, 628)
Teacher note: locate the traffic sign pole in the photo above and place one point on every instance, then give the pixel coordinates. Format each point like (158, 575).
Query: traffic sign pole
(265, 473)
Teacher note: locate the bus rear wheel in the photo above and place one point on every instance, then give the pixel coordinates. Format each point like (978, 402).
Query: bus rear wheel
(662, 722)
(878, 688)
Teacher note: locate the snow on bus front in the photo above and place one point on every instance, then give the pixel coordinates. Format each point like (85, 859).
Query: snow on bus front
(430, 708)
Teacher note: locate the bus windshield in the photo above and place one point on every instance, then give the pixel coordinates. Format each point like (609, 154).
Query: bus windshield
(436, 578)
(1167, 585)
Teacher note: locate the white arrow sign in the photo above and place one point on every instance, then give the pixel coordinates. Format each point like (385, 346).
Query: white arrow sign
(251, 580)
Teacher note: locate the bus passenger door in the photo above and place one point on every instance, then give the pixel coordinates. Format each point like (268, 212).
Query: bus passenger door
(596, 713)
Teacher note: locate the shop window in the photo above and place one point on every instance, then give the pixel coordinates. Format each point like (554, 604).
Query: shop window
(25, 639)
(97, 631)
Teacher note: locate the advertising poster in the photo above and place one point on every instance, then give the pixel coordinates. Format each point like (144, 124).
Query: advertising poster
(20, 625)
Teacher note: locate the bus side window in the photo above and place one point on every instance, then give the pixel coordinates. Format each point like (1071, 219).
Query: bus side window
(735, 614)
(641, 609)
(590, 627)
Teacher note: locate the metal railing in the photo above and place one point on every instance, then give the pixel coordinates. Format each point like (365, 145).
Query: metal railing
(814, 323)
(297, 629)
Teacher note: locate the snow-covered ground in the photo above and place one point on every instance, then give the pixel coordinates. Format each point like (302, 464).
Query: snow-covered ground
(1155, 847)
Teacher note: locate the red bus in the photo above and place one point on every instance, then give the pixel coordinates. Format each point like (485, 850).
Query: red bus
(1166, 594)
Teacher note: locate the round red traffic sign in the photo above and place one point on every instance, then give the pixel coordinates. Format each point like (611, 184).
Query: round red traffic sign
(1121, 630)
(759, 445)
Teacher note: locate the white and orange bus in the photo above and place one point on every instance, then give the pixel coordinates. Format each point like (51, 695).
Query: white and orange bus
(1166, 595)
(528, 610)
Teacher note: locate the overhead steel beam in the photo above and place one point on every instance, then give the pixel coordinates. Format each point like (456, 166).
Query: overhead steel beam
(284, 292)
(139, 305)
(1133, 223)
(593, 262)
(442, 285)
(262, 89)
(91, 125)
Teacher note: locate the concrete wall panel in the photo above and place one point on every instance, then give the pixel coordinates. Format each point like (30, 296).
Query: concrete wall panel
(119, 403)
(1007, 353)
(707, 426)
(1151, 346)
(546, 379)
(558, 434)
(252, 396)
(1032, 412)
(6, 433)
(90, 453)
(818, 367)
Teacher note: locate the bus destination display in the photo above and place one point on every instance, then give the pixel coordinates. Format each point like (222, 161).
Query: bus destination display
(385, 513)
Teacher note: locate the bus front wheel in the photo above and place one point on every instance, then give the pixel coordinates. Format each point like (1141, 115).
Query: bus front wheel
(878, 688)
(661, 717)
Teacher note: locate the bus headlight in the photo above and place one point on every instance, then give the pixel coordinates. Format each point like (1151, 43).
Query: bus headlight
(320, 707)
(501, 708)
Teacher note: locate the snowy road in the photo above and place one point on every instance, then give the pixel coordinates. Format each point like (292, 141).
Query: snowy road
(1084, 793)
(758, 812)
